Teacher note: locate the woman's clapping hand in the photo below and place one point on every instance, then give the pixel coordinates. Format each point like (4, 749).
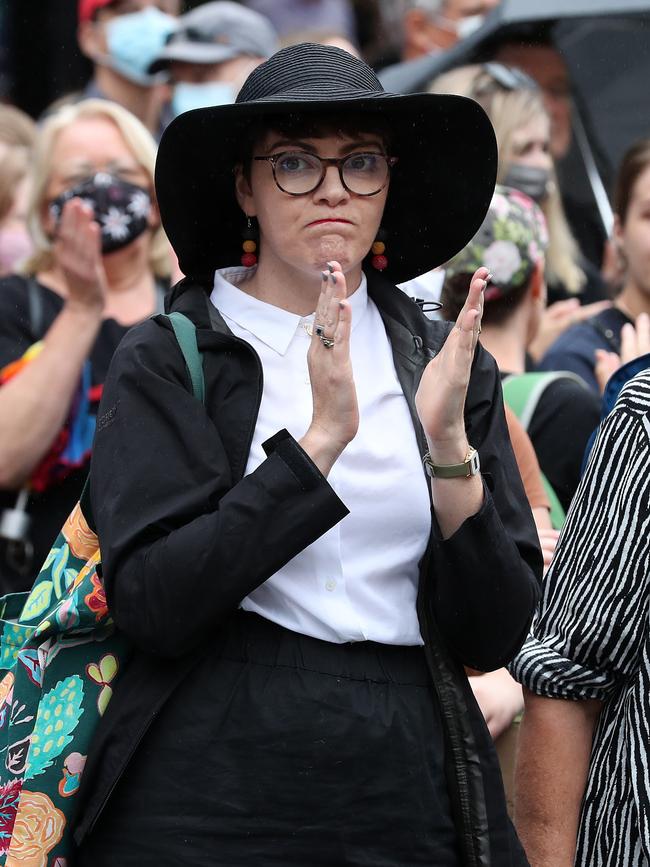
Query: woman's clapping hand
(335, 418)
(77, 252)
(440, 399)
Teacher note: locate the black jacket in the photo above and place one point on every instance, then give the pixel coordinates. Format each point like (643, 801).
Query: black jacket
(185, 537)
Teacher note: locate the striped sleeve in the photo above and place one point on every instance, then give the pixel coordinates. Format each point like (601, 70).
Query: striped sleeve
(588, 634)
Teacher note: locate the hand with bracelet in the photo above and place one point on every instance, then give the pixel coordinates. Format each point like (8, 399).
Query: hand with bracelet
(440, 403)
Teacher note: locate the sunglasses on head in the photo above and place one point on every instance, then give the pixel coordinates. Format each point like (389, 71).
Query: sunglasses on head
(504, 77)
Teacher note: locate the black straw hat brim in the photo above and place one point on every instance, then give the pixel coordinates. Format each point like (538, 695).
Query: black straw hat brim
(440, 188)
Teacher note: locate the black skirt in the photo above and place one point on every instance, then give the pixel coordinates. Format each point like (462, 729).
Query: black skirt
(281, 749)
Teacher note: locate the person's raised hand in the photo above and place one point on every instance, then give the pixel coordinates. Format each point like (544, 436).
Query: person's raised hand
(635, 339)
(77, 252)
(335, 417)
(606, 365)
(440, 399)
(635, 342)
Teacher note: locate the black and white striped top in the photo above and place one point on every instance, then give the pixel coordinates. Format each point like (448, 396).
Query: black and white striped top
(591, 638)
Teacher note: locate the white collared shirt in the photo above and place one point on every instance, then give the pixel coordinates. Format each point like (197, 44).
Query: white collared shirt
(358, 581)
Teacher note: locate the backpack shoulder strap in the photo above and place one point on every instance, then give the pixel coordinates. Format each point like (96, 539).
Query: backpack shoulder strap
(35, 303)
(185, 332)
(523, 391)
(556, 513)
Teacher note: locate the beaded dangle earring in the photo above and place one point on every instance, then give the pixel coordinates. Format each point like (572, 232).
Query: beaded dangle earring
(249, 245)
(379, 260)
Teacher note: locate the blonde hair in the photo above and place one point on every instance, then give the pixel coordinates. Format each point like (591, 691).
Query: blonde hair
(14, 166)
(17, 129)
(139, 142)
(509, 111)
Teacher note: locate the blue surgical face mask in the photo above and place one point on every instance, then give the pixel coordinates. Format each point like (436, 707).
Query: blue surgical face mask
(188, 95)
(135, 40)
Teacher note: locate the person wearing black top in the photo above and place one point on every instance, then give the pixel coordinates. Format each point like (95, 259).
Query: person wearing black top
(77, 300)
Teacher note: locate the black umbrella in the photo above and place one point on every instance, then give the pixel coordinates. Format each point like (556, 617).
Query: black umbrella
(606, 45)
(414, 75)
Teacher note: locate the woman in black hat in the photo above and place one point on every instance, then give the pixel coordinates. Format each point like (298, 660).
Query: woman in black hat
(301, 596)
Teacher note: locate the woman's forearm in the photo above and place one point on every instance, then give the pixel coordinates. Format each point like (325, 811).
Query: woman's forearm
(35, 403)
(454, 500)
(552, 766)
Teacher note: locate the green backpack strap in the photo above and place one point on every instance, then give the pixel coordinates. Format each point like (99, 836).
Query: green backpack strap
(557, 513)
(185, 332)
(522, 392)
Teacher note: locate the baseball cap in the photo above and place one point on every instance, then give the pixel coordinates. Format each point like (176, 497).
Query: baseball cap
(216, 32)
(87, 8)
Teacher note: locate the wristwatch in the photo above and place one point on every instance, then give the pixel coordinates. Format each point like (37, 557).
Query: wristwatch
(471, 466)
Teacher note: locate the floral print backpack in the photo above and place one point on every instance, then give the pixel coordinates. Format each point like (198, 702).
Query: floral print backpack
(60, 658)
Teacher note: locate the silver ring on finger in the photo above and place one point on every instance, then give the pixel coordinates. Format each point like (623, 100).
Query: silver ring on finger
(328, 342)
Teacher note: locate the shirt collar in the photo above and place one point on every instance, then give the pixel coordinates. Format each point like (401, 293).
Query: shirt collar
(272, 325)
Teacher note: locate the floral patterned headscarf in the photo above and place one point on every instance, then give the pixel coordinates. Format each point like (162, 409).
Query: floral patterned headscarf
(511, 242)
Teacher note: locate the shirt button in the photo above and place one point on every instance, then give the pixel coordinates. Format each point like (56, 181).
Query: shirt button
(330, 585)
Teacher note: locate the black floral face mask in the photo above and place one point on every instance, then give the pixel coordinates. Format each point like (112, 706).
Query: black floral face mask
(121, 209)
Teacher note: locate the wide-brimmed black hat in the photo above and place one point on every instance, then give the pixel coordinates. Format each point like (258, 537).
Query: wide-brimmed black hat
(440, 188)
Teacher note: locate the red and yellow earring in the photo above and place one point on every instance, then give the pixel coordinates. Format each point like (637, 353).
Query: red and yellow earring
(249, 245)
(378, 249)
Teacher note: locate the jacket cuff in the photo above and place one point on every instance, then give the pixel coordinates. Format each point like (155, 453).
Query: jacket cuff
(296, 458)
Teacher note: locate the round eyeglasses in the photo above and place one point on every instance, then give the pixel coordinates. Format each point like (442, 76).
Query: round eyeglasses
(298, 173)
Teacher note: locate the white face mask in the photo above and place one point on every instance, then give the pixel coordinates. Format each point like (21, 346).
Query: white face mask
(461, 27)
(468, 25)
(135, 40)
(188, 95)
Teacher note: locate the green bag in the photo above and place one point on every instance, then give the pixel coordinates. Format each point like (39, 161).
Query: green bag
(522, 392)
(60, 658)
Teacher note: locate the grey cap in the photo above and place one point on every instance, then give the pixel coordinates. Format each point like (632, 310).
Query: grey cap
(216, 32)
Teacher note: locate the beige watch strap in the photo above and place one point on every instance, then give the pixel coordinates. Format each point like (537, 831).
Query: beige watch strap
(471, 466)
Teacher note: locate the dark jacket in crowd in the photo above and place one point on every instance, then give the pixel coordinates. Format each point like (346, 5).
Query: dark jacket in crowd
(185, 536)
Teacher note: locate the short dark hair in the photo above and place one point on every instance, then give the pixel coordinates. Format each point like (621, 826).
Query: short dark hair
(495, 312)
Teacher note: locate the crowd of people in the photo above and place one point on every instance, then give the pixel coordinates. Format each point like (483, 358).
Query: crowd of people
(411, 516)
